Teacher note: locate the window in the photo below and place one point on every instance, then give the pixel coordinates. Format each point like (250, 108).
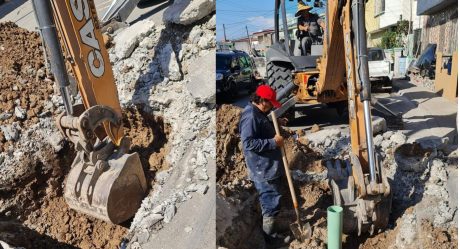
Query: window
(243, 62)
(379, 7)
(376, 55)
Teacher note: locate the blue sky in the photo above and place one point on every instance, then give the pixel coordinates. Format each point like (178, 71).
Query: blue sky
(236, 14)
(255, 14)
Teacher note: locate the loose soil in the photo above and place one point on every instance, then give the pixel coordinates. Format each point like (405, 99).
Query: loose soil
(237, 198)
(22, 77)
(33, 211)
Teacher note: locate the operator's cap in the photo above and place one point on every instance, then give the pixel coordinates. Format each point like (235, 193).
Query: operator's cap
(302, 7)
(269, 94)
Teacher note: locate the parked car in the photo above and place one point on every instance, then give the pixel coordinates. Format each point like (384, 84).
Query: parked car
(235, 71)
(380, 72)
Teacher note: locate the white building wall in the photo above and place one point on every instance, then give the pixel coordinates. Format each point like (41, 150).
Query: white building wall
(393, 11)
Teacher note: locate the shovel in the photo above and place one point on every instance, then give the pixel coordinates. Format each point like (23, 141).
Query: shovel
(301, 232)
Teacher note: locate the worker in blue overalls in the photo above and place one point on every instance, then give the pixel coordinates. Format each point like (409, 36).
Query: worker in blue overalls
(261, 148)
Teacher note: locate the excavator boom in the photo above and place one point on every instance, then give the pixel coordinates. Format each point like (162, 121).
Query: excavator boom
(104, 181)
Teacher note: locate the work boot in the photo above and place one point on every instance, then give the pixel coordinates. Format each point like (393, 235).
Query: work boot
(268, 225)
(273, 240)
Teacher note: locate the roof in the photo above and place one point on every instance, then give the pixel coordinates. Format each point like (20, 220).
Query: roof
(265, 31)
(241, 40)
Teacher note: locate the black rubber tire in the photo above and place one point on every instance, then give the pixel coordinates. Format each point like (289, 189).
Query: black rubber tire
(341, 108)
(279, 75)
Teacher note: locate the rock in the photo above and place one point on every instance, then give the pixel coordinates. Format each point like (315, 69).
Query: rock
(10, 132)
(188, 229)
(438, 172)
(327, 142)
(201, 175)
(201, 80)
(192, 187)
(385, 144)
(20, 113)
(398, 138)
(378, 140)
(4, 245)
(320, 136)
(143, 236)
(161, 176)
(202, 189)
(136, 245)
(5, 116)
(169, 65)
(407, 231)
(169, 213)
(315, 128)
(41, 73)
(379, 125)
(211, 24)
(128, 39)
(186, 12)
(2, 158)
(387, 134)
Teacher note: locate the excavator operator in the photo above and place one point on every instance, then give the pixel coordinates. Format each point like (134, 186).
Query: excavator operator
(308, 28)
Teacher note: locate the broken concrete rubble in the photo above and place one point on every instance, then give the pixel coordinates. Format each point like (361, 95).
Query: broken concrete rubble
(128, 39)
(201, 84)
(186, 12)
(169, 65)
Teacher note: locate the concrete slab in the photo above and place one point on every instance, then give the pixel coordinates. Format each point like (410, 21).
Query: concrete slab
(194, 225)
(21, 12)
(426, 116)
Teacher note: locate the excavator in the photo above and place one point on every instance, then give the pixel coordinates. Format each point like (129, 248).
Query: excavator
(339, 76)
(105, 180)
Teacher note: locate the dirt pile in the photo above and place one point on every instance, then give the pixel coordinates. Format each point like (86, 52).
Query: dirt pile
(239, 219)
(230, 159)
(33, 165)
(422, 179)
(24, 92)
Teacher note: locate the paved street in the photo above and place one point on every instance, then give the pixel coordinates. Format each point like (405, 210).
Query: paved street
(425, 115)
(21, 12)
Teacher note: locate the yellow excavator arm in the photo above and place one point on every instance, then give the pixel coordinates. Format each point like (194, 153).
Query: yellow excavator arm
(104, 181)
(78, 25)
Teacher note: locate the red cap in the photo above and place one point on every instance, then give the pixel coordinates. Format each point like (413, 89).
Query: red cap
(269, 94)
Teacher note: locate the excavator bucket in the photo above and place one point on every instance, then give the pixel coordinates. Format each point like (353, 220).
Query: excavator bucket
(104, 181)
(111, 190)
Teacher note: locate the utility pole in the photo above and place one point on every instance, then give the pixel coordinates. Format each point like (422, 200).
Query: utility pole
(249, 40)
(225, 35)
(410, 19)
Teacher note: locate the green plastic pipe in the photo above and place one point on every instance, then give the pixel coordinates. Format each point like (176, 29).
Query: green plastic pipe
(334, 227)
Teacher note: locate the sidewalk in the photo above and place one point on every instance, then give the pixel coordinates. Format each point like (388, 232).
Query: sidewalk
(426, 116)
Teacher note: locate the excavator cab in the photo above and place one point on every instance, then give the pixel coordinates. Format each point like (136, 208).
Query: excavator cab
(105, 181)
(338, 76)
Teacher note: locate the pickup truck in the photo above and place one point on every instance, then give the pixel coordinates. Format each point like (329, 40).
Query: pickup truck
(380, 72)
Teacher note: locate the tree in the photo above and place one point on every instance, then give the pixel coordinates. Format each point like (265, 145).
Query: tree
(395, 36)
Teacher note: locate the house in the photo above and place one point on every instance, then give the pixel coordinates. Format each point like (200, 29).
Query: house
(439, 24)
(262, 40)
(383, 15)
(241, 44)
